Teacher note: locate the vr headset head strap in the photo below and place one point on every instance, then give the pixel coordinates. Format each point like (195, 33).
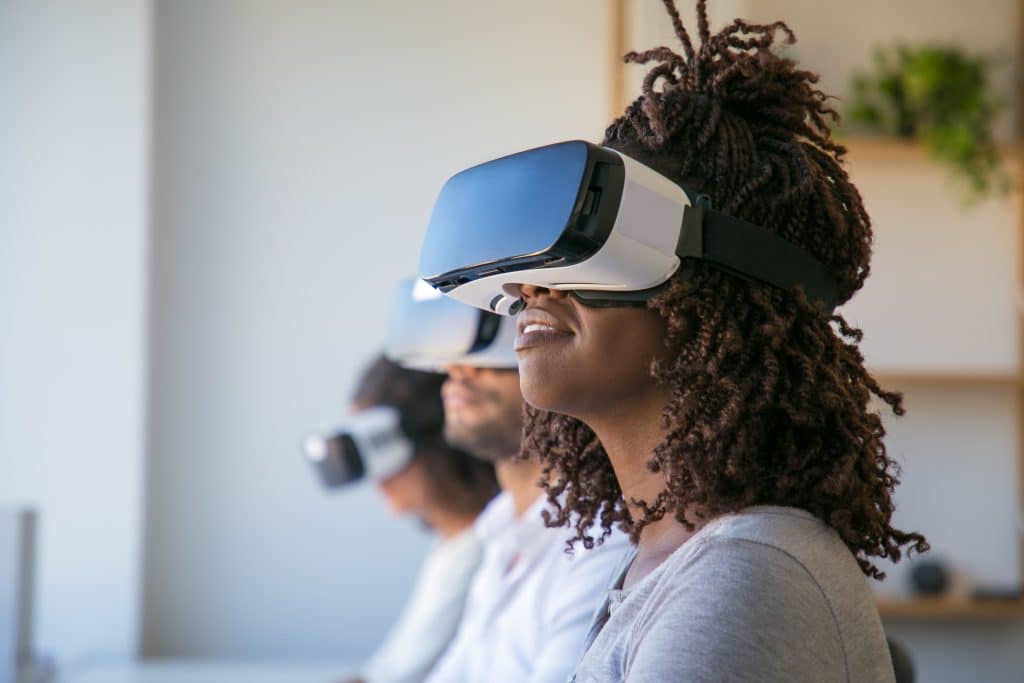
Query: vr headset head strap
(752, 252)
(738, 247)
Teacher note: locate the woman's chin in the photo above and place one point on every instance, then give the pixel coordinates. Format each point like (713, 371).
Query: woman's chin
(543, 390)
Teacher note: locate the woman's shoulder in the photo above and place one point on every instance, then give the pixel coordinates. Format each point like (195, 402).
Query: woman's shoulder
(771, 574)
(786, 528)
(756, 546)
(766, 545)
(795, 538)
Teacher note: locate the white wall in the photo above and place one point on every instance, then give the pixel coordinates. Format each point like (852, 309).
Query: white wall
(299, 147)
(935, 259)
(842, 40)
(73, 155)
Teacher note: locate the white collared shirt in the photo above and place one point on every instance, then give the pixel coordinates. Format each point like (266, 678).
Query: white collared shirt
(530, 603)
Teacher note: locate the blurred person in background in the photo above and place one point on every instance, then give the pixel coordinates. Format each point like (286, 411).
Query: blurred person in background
(531, 601)
(445, 489)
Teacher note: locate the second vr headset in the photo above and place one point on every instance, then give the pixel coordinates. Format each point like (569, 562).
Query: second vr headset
(429, 331)
(576, 216)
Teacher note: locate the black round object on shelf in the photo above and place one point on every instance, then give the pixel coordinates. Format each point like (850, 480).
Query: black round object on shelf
(929, 577)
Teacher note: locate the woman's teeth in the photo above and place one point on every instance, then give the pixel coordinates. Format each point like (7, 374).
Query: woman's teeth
(534, 327)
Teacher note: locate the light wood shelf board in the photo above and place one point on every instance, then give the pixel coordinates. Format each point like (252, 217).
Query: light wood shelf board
(895, 149)
(951, 377)
(949, 608)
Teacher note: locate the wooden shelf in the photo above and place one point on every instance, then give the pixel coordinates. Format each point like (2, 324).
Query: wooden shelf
(951, 377)
(896, 149)
(949, 608)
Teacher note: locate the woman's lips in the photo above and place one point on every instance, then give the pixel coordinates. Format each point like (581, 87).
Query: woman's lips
(538, 334)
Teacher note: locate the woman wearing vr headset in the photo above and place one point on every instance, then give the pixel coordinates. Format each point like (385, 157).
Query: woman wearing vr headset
(722, 417)
(446, 489)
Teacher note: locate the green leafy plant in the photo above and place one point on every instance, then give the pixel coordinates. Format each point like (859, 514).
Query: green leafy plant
(942, 97)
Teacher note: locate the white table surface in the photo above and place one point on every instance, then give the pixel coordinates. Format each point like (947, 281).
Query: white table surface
(209, 671)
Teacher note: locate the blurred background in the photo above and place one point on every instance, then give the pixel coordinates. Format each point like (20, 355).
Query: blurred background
(204, 207)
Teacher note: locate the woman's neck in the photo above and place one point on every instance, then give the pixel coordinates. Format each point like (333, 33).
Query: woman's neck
(629, 436)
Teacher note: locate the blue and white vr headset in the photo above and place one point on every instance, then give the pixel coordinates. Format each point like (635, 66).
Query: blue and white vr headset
(579, 217)
(369, 446)
(429, 331)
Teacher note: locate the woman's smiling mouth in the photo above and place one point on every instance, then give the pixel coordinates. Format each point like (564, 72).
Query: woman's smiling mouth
(538, 327)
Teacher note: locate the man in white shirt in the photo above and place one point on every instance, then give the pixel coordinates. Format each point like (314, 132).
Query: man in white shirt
(530, 602)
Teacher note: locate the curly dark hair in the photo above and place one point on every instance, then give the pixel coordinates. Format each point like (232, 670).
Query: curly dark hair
(769, 396)
(459, 482)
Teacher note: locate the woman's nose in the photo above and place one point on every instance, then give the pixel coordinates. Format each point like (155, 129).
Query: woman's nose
(533, 291)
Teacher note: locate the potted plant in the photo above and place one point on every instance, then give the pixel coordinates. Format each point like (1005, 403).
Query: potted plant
(942, 97)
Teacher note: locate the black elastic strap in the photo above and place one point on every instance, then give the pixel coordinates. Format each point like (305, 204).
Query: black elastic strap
(738, 247)
(751, 252)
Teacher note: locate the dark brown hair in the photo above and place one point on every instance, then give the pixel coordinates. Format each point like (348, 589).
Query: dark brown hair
(770, 397)
(459, 482)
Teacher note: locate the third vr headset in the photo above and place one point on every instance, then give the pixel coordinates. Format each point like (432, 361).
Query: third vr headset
(371, 445)
(429, 331)
(576, 216)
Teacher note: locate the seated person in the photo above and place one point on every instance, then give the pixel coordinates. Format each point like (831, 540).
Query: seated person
(530, 603)
(446, 489)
